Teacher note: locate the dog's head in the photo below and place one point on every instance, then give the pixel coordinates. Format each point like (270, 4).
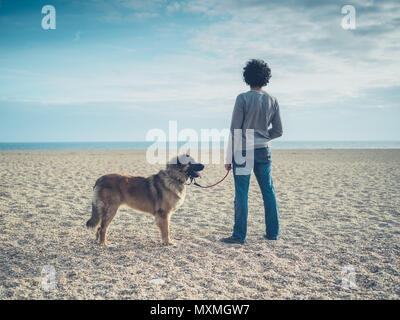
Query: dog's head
(187, 165)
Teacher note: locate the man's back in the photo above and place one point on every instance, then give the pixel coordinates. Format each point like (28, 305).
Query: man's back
(256, 110)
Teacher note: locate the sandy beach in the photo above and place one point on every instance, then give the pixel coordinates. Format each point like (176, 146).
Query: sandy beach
(339, 211)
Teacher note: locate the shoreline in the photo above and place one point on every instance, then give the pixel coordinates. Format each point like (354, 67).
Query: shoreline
(221, 150)
(198, 145)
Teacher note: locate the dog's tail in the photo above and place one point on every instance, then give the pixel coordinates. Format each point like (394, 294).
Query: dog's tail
(94, 221)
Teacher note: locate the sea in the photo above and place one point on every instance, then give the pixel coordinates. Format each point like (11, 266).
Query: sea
(142, 145)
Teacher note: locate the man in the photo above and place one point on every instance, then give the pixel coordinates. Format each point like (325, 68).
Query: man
(254, 111)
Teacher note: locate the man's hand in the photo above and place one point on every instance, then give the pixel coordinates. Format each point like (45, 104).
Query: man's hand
(228, 166)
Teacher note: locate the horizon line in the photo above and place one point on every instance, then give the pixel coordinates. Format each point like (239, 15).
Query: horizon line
(209, 141)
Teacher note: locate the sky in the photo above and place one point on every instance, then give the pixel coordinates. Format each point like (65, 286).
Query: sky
(113, 70)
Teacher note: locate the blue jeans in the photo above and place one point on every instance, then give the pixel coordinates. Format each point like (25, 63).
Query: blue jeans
(262, 170)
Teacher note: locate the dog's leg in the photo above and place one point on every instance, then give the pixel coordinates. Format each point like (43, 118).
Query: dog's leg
(162, 221)
(105, 222)
(98, 234)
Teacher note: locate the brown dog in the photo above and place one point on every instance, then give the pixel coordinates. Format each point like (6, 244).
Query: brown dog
(160, 195)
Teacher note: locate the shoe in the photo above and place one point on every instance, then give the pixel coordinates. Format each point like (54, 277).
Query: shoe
(232, 240)
(265, 236)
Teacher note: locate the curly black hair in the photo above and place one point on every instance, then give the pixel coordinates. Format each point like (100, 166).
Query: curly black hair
(256, 73)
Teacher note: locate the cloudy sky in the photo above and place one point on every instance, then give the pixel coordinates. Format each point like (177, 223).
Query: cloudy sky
(112, 70)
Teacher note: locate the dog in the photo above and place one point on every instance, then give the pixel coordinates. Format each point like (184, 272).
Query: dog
(160, 195)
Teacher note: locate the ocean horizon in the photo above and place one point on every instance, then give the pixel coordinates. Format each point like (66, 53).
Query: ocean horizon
(142, 145)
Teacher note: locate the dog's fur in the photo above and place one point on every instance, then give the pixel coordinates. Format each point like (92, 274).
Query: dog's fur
(160, 195)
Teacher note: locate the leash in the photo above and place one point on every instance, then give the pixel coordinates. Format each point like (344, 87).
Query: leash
(213, 185)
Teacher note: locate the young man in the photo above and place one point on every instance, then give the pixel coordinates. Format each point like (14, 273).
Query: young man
(253, 113)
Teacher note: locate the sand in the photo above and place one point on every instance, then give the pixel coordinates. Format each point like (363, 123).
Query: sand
(339, 214)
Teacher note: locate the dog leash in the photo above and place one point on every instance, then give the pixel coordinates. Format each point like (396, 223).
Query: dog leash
(213, 185)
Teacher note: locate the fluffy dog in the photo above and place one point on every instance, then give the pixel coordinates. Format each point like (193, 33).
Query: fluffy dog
(160, 195)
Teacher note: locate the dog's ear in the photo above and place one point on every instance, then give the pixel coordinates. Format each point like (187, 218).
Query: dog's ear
(181, 165)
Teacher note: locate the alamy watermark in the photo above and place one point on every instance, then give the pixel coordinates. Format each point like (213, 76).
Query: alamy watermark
(49, 20)
(48, 278)
(165, 146)
(349, 20)
(349, 277)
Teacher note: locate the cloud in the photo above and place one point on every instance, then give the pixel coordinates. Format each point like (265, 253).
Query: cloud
(143, 15)
(120, 11)
(313, 60)
(173, 7)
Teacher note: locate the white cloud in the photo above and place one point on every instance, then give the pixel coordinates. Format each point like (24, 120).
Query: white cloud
(119, 11)
(143, 15)
(313, 59)
(173, 7)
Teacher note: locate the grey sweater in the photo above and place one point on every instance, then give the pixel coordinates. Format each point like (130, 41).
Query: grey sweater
(257, 110)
